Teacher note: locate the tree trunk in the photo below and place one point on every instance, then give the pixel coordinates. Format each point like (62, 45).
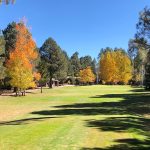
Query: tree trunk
(16, 93)
(51, 83)
(41, 89)
(15, 89)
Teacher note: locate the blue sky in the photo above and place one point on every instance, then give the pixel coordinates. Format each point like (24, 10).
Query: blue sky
(85, 26)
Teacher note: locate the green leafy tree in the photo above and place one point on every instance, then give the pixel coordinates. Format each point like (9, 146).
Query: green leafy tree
(68, 64)
(53, 60)
(75, 64)
(138, 54)
(85, 61)
(2, 59)
(10, 35)
(62, 72)
(139, 48)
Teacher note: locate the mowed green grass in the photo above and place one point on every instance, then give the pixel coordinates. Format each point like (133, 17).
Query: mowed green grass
(76, 118)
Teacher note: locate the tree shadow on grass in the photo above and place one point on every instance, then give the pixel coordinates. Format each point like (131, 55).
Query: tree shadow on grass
(134, 111)
(125, 144)
(136, 107)
(121, 124)
(132, 104)
(24, 121)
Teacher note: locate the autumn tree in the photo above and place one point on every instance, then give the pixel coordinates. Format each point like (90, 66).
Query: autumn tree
(20, 62)
(108, 68)
(87, 61)
(86, 75)
(104, 50)
(20, 70)
(115, 67)
(123, 63)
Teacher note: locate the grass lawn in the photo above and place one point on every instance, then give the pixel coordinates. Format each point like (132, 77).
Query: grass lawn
(76, 118)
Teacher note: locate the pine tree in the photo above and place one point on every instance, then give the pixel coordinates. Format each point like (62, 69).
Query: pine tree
(10, 35)
(53, 59)
(2, 59)
(85, 62)
(75, 64)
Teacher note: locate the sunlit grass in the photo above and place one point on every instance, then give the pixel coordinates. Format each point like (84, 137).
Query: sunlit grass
(73, 118)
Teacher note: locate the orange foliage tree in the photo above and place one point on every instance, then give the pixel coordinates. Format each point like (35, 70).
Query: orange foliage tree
(86, 75)
(20, 63)
(37, 76)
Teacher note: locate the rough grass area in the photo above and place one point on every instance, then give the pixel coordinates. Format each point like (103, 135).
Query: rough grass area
(76, 118)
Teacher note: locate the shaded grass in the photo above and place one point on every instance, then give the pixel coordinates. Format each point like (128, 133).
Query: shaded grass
(86, 118)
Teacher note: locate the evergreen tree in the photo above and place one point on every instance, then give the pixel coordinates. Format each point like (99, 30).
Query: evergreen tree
(2, 59)
(10, 34)
(62, 72)
(53, 59)
(75, 64)
(85, 62)
(67, 61)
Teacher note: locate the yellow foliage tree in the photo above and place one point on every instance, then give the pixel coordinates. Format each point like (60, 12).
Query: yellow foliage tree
(115, 66)
(108, 69)
(86, 75)
(20, 70)
(20, 62)
(124, 66)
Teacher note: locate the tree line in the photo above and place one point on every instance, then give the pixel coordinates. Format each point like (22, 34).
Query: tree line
(23, 65)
